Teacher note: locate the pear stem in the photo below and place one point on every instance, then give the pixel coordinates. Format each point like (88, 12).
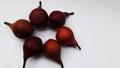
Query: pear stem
(78, 47)
(61, 63)
(40, 4)
(24, 62)
(67, 14)
(72, 13)
(7, 23)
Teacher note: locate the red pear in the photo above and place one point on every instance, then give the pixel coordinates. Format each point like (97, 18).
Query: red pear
(65, 36)
(57, 18)
(21, 28)
(52, 50)
(32, 47)
(39, 17)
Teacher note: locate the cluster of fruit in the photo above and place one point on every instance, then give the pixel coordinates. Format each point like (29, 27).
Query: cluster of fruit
(33, 45)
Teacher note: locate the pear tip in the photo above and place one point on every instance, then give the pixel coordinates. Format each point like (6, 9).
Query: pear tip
(7, 23)
(61, 63)
(72, 13)
(67, 14)
(78, 47)
(40, 4)
(24, 62)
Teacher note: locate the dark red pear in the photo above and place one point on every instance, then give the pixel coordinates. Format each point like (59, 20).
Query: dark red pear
(65, 36)
(21, 28)
(57, 18)
(39, 17)
(52, 50)
(32, 47)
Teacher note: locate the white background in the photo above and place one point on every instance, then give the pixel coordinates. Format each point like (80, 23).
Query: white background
(96, 26)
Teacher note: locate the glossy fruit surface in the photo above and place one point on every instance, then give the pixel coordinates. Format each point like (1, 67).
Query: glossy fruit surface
(65, 36)
(52, 50)
(39, 17)
(57, 18)
(32, 47)
(21, 28)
